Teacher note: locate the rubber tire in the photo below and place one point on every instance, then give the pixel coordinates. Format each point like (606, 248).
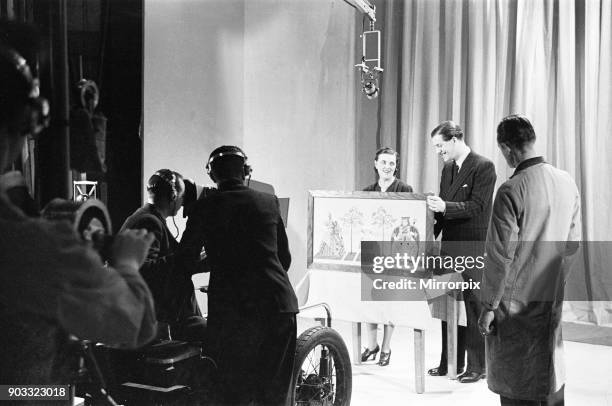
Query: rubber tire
(327, 336)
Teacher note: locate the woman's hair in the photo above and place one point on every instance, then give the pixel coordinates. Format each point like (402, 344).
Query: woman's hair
(390, 151)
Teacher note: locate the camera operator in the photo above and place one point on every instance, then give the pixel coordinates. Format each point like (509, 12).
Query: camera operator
(52, 284)
(173, 291)
(252, 306)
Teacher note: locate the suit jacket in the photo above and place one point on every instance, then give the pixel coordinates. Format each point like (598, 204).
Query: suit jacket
(534, 229)
(247, 250)
(170, 284)
(468, 200)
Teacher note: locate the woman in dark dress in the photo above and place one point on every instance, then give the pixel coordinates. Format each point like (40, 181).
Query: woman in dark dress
(386, 166)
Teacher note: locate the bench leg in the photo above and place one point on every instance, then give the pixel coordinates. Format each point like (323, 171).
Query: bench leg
(419, 360)
(356, 343)
(451, 337)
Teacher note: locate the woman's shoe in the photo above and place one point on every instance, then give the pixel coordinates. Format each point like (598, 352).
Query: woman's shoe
(384, 359)
(365, 355)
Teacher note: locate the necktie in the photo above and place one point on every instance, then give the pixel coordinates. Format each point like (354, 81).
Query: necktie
(455, 172)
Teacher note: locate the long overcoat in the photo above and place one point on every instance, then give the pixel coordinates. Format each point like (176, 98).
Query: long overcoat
(536, 217)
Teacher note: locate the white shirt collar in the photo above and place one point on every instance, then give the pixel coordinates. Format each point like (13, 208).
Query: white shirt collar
(459, 162)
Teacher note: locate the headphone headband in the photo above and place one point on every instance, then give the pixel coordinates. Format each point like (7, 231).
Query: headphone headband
(222, 154)
(235, 151)
(169, 178)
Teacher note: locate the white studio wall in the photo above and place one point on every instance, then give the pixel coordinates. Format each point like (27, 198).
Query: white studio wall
(299, 103)
(272, 76)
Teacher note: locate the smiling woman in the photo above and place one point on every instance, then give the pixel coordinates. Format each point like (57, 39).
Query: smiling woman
(386, 166)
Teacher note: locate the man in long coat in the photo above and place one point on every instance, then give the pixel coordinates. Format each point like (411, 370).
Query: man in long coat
(534, 231)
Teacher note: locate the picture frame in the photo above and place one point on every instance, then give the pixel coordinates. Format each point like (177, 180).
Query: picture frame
(338, 221)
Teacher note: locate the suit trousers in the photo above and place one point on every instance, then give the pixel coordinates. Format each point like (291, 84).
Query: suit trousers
(468, 338)
(475, 343)
(556, 399)
(254, 350)
(461, 334)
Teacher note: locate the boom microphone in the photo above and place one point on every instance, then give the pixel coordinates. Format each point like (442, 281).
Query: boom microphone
(370, 62)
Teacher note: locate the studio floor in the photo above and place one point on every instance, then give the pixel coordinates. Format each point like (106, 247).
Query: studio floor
(588, 371)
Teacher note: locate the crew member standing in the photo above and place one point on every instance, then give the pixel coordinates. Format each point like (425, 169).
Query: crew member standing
(252, 306)
(534, 229)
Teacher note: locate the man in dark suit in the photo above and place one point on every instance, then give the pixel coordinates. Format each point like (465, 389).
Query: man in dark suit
(170, 282)
(252, 306)
(462, 213)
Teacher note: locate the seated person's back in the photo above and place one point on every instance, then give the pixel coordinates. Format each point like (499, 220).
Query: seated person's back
(170, 282)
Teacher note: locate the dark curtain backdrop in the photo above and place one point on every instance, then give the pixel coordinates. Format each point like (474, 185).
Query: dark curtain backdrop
(476, 61)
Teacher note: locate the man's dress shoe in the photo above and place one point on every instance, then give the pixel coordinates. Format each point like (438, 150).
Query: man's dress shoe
(438, 371)
(471, 376)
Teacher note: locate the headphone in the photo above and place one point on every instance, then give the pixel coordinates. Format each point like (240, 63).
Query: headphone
(35, 113)
(169, 178)
(231, 151)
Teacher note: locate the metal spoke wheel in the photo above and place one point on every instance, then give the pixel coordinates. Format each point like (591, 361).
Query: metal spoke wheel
(322, 372)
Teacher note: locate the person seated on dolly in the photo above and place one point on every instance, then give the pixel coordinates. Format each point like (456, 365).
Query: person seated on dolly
(170, 282)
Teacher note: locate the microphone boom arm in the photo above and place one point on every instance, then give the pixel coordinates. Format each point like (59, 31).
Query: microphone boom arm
(365, 7)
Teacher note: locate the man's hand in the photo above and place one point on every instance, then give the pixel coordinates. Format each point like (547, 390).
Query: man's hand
(130, 247)
(485, 322)
(436, 204)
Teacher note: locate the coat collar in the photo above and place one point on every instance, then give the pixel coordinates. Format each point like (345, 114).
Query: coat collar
(150, 208)
(231, 184)
(527, 163)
